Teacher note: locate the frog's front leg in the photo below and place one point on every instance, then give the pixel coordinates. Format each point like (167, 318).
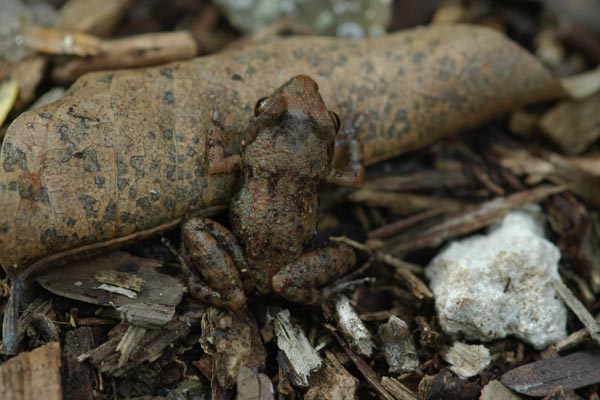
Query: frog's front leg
(218, 162)
(300, 281)
(213, 256)
(348, 159)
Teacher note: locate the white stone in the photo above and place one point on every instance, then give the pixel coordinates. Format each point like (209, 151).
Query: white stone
(489, 287)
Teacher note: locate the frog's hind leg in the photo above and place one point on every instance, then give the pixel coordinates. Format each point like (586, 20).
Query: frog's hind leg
(213, 257)
(301, 280)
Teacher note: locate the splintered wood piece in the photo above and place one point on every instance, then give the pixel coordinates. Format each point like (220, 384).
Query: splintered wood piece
(149, 347)
(156, 299)
(571, 372)
(79, 379)
(33, 375)
(300, 359)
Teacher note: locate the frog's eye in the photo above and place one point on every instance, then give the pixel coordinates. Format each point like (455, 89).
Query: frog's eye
(260, 106)
(335, 119)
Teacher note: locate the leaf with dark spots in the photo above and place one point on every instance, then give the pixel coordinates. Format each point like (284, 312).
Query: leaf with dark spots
(431, 82)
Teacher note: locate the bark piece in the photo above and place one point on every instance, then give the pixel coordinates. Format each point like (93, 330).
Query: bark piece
(155, 302)
(332, 382)
(98, 151)
(233, 341)
(398, 346)
(571, 372)
(573, 125)
(78, 381)
(33, 375)
(352, 327)
(297, 357)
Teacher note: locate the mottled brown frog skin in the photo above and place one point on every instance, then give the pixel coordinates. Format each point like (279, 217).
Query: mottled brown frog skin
(287, 150)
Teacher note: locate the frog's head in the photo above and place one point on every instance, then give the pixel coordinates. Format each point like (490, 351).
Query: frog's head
(294, 123)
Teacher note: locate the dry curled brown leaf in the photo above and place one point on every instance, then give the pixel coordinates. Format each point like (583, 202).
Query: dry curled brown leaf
(123, 152)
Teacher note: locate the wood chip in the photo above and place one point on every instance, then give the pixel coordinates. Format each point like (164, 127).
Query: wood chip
(582, 85)
(301, 357)
(32, 375)
(233, 341)
(352, 327)
(573, 125)
(467, 360)
(126, 280)
(571, 372)
(398, 346)
(79, 377)
(332, 382)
